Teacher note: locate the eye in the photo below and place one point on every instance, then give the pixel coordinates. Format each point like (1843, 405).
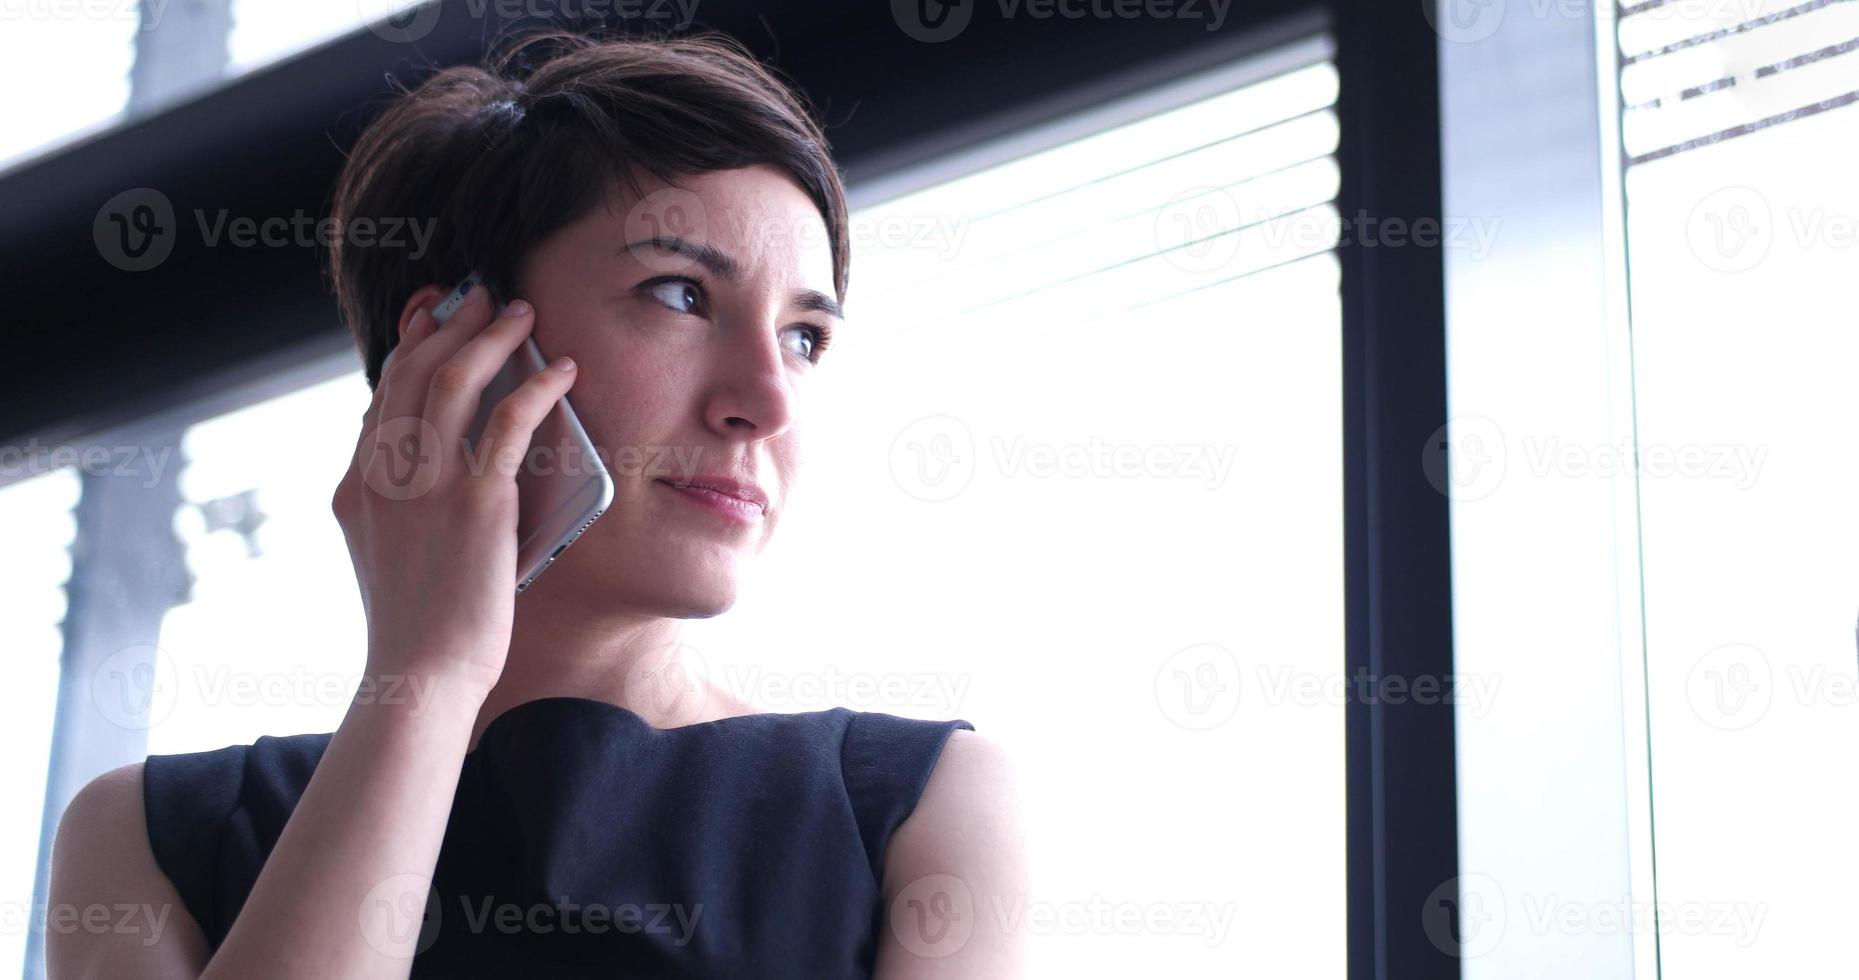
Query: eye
(677, 293)
(813, 341)
(683, 294)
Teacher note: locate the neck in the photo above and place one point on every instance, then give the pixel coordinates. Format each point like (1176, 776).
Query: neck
(623, 657)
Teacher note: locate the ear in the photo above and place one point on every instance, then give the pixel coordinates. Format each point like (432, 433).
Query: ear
(427, 296)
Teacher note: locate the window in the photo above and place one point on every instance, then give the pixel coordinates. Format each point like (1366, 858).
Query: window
(1075, 475)
(36, 511)
(42, 41)
(90, 48)
(273, 640)
(264, 31)
(1741, 214)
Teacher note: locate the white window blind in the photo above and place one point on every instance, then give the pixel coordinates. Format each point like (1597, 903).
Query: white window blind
(1696, 72)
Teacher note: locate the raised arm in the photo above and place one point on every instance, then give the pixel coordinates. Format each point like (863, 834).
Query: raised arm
(434, 546)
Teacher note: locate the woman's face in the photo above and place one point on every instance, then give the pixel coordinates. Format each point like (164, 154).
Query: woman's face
(695, 315)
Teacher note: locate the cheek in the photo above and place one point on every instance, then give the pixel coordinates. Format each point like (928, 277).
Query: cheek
(788, 455)
(630, 394)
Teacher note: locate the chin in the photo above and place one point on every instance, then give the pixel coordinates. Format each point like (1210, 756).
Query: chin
(671, 588)
(691, 600)
(646, 570)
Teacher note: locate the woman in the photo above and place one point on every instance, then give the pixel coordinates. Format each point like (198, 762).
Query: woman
(664, 216)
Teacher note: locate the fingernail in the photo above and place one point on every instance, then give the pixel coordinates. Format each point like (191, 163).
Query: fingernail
(562, 363)
(515, 307)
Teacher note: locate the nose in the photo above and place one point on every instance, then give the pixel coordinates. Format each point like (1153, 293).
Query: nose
(751, 396)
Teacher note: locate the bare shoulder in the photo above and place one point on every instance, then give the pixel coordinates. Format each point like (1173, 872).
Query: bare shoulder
(955, 875)
(974, 779)
(103, 829)
(111, 910)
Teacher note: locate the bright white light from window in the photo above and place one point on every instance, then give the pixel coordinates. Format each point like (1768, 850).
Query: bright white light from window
(36, 513)
(272, 644)
(65, 68)
(1100, 618)
(264, 31)
(1742, 254)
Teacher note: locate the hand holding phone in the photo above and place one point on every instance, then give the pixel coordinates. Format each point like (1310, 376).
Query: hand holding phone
(563, 487)
(433, 531)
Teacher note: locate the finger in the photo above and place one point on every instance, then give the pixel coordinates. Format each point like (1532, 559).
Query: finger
(409, 374)
(370, 418)
(419, 327)
(367, 441)
(457, 386)
(512, 424)
(386, 434)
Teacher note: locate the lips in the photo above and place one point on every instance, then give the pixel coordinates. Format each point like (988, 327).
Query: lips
(746, 492)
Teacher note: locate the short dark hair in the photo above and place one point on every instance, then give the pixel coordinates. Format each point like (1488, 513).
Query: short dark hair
(495, 158)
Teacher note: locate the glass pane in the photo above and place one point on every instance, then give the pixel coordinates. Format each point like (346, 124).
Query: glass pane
(1742, 253)
(264, 31)
(89, 47)
(274, 639)
(65, 67)
(36, 512)
(1075, 476)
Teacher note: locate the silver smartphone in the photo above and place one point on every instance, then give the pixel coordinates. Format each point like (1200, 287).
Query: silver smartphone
(562, 487)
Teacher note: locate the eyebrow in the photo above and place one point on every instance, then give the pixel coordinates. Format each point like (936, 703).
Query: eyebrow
(725, 267)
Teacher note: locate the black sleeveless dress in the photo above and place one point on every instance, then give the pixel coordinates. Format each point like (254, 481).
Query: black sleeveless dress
(584, 842)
